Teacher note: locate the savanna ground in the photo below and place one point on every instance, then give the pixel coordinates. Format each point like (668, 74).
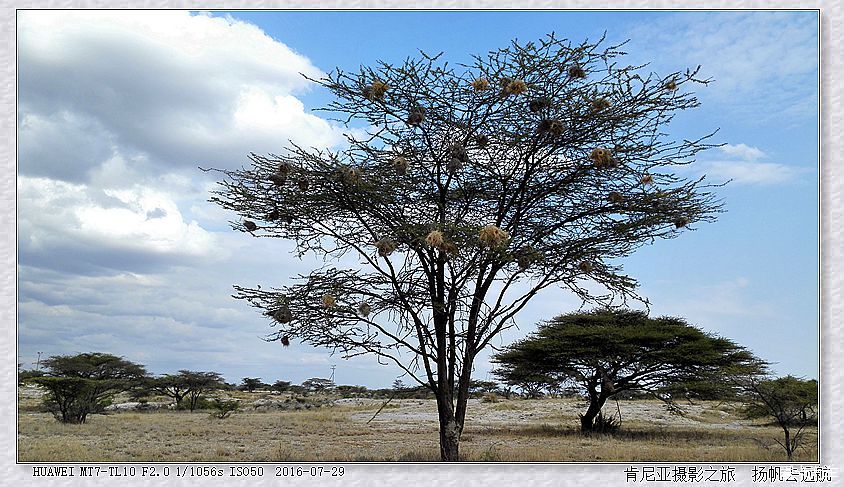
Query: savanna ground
(516, 430)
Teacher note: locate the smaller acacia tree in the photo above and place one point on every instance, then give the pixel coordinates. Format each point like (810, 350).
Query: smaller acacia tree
(607, 352)
(79, 385)
(249, 384)
(317, 384)
(188, 385)
(790, 401)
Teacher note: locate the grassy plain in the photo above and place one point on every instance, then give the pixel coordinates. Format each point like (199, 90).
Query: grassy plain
(515, 430)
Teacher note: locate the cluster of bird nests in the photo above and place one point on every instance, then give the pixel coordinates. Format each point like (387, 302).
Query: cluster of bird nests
(459, 156)
(493, 237)
(375, 91)
(480, 84)
(602, 158)
(386, 247)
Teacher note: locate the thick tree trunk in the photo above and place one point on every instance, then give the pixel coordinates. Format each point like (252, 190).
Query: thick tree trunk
(450, 431)
(788, 449)
(587, 420)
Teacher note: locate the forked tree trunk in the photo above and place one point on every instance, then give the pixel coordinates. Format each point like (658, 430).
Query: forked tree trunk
(587, 420)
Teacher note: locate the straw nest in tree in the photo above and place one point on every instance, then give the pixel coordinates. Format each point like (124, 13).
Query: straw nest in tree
(602, 158)
(681, 222)
(400, 164)
(526, 256)
(480, 84)
(285, 341)
(283, 314)
(482, 140)
(671, 85)
(364, 309)
(646, 180)
(435, 239)
(515, 87)
(277, 178)
(615, 197)
(350, 175)
(416, 116)
(454, 165)
(375, 91)
(553, 127)
(273, 216)
(328, 301)
(386, 246)
(250, 225)
(284, 168)
(585, 266)
(459, 152)
(576, 72)
(450, 248)
(303, 184)
(538, 104)
(493, 237)
(599, 104)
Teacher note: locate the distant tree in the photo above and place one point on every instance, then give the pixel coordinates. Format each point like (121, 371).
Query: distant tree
(524, 377)
(79, 385)
(790, 401)
(317, 384)
(483, 386)
(250, 384)
(187, 386)
(26, 376)
(352, 391)
(281, 385)
(399, 385)
(606, 352)
(472, 189)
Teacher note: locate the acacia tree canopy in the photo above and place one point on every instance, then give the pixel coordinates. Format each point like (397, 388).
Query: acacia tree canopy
(78, 385)
(471, 188)
(607, 352)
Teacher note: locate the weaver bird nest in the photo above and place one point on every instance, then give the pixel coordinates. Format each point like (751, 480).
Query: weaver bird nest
(480, 84)
(493, 237)
(386, 246)
(400, 164)
(435, 239)
(671, 85)
(602, 158)
(553, 127)
(364, 309)
(576, 72)
(328, 301)
(277, 178)
(303, 184)
(515, 87)
(250, 225)
(416, 116)
(585, 266)
(681, 222)
(538, 104)
(375, 91)
(646, 180)
(599, 104)
(283, 314)
(526, 256)
(350, 175)
(615, 197)
(481, 140)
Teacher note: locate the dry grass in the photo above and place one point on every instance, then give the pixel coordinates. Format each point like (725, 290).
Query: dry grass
(510, 431)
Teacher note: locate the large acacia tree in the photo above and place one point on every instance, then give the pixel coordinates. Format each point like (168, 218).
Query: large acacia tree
(473, 188)
(608, 352)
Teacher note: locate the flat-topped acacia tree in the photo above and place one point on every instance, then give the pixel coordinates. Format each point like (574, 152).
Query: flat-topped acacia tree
(473, 188)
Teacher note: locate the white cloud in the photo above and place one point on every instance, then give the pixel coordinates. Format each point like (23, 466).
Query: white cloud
(742, 166)
(177, 88)
(765, 64)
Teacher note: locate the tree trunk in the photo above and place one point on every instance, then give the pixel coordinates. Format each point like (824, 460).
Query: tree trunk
(450, 430)
(787, 444)
(587, 419)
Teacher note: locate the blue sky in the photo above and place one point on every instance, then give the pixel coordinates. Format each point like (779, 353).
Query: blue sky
(120, 252)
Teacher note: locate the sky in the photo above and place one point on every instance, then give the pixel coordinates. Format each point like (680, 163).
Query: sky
(120, 252)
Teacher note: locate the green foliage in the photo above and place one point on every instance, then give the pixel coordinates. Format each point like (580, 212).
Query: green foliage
(607, 352)
(250, 384)
(187, 387)
(223, 409)
(791, 402)
(317, 384)
(26, 376)
(79, 385)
